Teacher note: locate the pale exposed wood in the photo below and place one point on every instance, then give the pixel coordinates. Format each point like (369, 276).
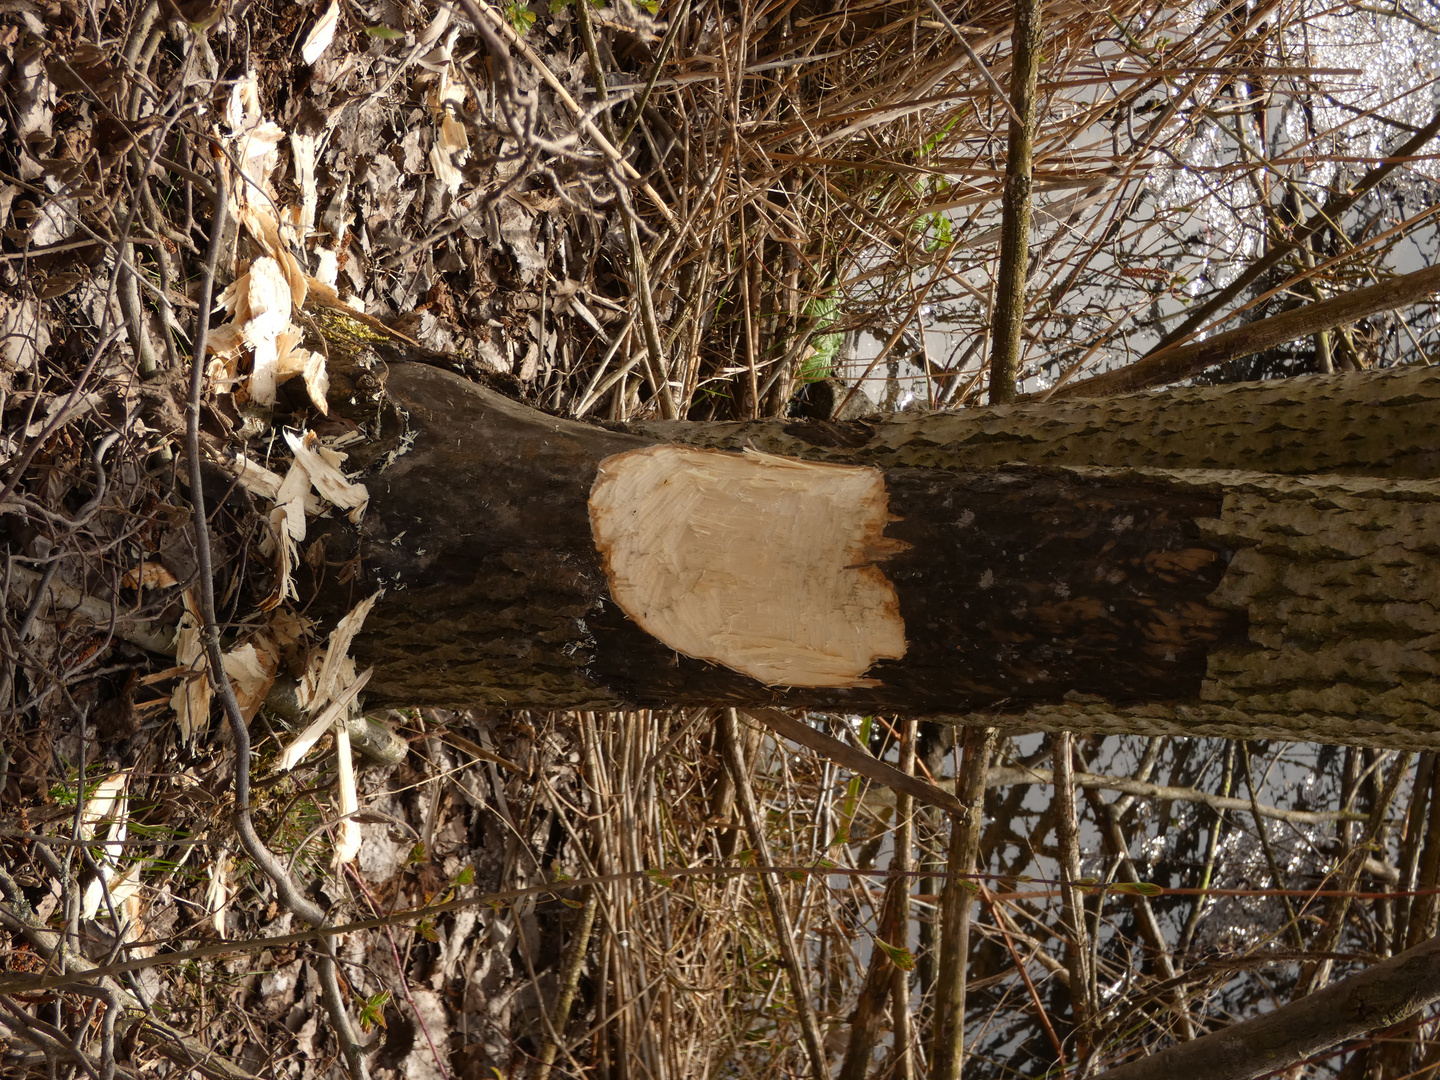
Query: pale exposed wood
(763, 564)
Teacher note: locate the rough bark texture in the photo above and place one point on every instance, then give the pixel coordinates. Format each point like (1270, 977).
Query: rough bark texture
(477, 531)
(1371, 424)
(1056, 594)
(1339, 579)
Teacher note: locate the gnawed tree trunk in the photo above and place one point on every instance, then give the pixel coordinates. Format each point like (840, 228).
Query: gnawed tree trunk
(1257, 560)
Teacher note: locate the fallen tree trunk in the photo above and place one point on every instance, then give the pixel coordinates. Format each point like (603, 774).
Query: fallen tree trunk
(1257, 560)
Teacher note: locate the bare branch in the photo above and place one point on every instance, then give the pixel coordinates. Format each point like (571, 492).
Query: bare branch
(1015, 226)
(1186, 361)
(1374, 998)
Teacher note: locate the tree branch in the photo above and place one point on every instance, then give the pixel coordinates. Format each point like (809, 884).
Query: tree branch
(948, 1050)
(1335, 207)
(856, 760)
(1185, 361)
(1169, 793)
(1015, 224)
(1377, 997)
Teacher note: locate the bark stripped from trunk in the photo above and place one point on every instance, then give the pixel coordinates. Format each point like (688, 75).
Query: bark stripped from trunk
(532, 561)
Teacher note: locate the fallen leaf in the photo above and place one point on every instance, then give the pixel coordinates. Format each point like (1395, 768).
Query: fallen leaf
(148, 575)
(321, 34)
(251, 668)
(191, 699)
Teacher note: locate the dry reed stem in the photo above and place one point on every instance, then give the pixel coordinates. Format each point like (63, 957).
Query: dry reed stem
(1077, 945)
(774, 899)
(947, 1052)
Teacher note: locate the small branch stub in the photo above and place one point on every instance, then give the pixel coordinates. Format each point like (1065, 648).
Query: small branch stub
(766, 565)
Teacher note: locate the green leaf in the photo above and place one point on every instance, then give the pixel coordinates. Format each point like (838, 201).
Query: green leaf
(898, 955)
(820, 364)
(385, 33)
(466, 876)
(1137, 888)
(519, 16)
(937, 229)
(560, 876)
(373, 1011)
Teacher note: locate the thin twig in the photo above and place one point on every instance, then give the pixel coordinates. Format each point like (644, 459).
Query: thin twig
(774, 898)
(948, 1042)
(285, 889)
(483, 14)
(1334, 210)
(1015, 223)
(1169, 793)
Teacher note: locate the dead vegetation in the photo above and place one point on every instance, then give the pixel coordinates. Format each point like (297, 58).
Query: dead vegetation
(620, 213)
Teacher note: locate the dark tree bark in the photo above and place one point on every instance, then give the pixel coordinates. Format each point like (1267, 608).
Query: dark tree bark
(1256, 560)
